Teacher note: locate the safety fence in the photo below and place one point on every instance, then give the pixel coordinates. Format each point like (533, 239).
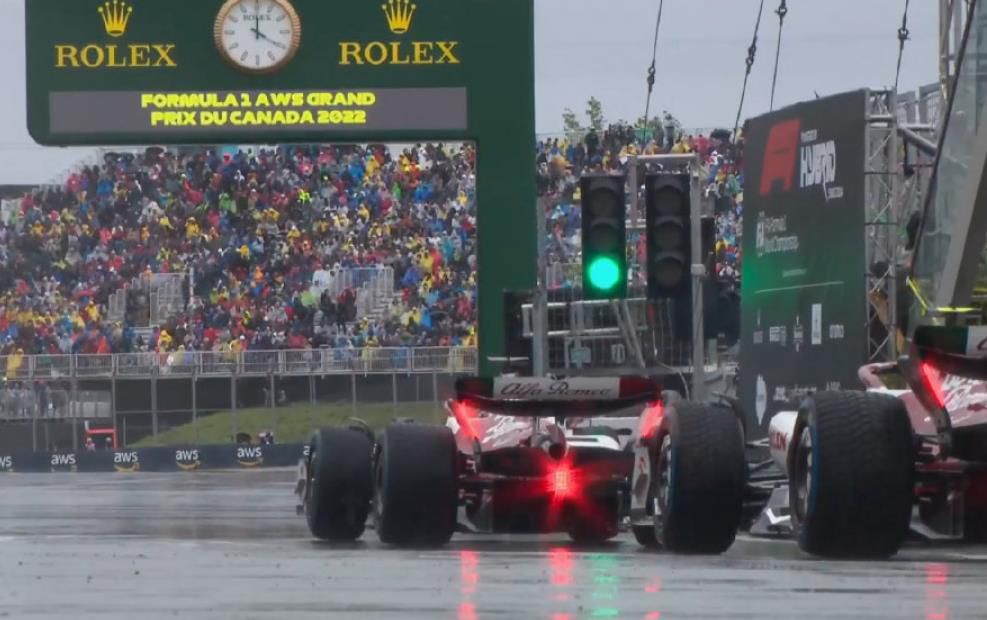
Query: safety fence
(25, 402)
(325, 361)
(372, 286)
(162, 459)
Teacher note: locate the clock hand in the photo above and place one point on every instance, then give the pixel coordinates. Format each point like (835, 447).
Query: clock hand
(261, 35)
(257, 18)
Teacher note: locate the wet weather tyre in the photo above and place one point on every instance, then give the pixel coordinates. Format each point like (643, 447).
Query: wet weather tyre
(852, 475)
(340, 484)
(645, 536)
(700, 479)
(599, 526)
(416, 485)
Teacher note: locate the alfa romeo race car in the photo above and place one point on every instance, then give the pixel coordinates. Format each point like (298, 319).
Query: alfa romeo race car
(909, 454)
(583, 456)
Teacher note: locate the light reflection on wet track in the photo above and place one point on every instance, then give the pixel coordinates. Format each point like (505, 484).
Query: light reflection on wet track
(228, 545)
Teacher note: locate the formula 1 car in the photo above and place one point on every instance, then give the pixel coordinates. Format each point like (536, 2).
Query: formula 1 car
(909, 455)
(582, 456)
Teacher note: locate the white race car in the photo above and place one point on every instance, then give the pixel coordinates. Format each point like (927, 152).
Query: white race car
(531, 455)
(863, 470)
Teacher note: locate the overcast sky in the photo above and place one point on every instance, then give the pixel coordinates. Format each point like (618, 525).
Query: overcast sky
(602, 48)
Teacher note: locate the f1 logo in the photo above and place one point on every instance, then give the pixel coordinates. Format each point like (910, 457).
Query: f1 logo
(780, 156)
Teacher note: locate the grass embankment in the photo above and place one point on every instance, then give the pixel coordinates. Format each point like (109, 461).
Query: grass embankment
(295, 423)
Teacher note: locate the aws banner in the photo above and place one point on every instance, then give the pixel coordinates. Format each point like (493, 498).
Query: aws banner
(804, 310)
(155, 459)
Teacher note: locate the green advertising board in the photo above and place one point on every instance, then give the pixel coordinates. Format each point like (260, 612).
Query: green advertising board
(115, 72)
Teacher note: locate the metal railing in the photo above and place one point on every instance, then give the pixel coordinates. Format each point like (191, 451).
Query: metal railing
(374, 286)
(377, 360)
(923, 106)
(26, 403)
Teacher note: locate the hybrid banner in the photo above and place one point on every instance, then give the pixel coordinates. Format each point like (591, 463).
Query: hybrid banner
(803, 301)
(162, 459)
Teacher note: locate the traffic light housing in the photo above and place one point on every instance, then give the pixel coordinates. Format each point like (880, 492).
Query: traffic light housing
(604, 237)
(669, 235)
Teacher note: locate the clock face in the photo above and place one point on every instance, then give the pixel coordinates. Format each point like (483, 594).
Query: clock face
(258, 36)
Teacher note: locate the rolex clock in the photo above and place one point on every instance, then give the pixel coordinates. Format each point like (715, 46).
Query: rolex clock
(258, 36)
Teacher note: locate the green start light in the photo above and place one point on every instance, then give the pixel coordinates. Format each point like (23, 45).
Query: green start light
(603, 273)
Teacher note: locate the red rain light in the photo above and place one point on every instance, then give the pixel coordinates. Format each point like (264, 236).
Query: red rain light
(562, 482)
(651, 418)
(931, 378)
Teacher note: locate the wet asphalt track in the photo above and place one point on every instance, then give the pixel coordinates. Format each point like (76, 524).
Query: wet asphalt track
(227, 545)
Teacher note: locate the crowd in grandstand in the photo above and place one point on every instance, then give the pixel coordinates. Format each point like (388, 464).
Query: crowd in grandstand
(253, 227)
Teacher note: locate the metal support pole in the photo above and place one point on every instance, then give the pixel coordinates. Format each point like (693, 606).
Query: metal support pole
(195, 407)
(313, 398)
(435, 394)
(635, 188)
(698, 276)
(124, 422)
(75, 409)
(274, 405)
(34, 419)
(113, 405)
(896, 217)
(34, 434)
(539, 344)
(394, 393)
(353, 394)
(234, 419)
(154, 406)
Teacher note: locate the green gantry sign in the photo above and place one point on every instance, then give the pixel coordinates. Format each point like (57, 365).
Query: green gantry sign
(112, 72)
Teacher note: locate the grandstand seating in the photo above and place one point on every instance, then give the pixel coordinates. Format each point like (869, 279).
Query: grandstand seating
(292, 247)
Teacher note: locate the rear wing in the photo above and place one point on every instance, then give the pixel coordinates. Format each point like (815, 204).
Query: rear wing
(545, 397)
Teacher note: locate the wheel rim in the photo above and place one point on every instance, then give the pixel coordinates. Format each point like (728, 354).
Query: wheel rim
(310, 478)
(664, 481)
(378, 494)
(803, 473)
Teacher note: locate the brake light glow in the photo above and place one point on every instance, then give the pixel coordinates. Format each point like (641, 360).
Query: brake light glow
(465, 417)
(651, 418)
(932, 384)
(562, 482)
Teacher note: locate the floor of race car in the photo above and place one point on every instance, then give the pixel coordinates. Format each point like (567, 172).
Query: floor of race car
(228, 545)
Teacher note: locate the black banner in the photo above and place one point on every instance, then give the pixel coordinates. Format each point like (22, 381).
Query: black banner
(163, 459)
(803, 304)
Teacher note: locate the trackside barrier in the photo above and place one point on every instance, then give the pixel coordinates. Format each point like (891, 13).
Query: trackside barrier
(158, 459)
(256, 363)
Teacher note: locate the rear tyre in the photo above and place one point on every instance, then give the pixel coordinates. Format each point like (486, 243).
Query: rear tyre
(645, 536)
(599, 526)
(416, 485)
(851, 487)
(700, 479)
(339, 485)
